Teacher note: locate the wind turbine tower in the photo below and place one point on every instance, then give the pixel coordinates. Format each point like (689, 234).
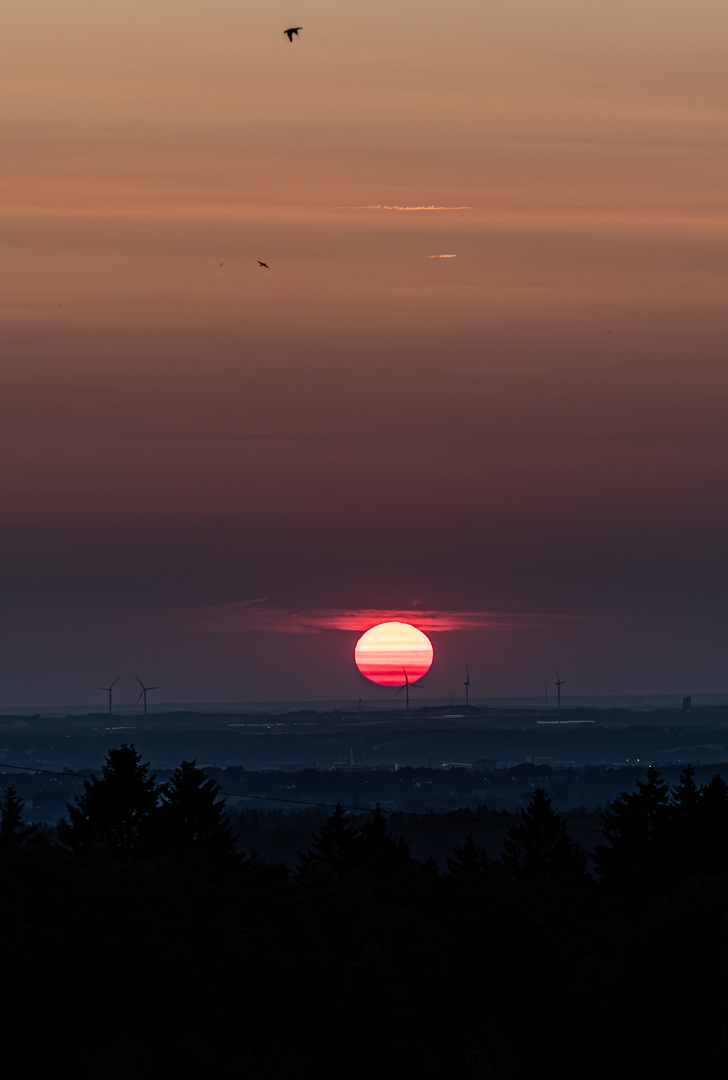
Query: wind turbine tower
(143, 692)
(466, 684)
(108, 690)
(406, 688)
(559, 683)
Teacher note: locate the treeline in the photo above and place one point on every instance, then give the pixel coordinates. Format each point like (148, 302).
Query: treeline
(281, 835)
(410, 791)
(142, 941)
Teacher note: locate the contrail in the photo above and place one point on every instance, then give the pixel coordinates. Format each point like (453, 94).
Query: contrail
(442, 256)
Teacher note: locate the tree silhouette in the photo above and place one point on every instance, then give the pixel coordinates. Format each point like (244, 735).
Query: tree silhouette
(712, 826)
(193, 822)
(470, 861)
(684, 824)
(539, 847)
(13, 829)
(117, 810)
(639, 827)
(336, 847)
(685, 796)
(381, 852)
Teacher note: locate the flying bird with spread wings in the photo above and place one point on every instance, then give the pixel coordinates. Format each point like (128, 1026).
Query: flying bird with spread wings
(291, 31)
(263, 264)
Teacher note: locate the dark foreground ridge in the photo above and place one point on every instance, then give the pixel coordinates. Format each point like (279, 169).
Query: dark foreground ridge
(163, 944)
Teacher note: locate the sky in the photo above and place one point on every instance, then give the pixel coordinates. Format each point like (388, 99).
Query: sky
(218, 475)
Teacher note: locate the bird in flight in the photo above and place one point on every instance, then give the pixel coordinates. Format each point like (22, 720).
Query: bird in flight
(291, 31)
(263, 264)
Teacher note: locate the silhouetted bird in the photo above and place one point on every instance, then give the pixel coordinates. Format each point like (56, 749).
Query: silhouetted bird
(291, 31)
(263, 264)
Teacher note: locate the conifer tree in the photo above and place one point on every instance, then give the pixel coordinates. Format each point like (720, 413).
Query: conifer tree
(539, 847)
(713, 805)
(684, 824)
(193, 821)
(337, 847)
(685, 798)
(470, 861)
(380, 850)
(118, 810)
(13, 829)
(712, 826)
(639, 829)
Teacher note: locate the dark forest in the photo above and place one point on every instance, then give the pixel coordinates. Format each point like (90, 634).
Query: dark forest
(147, 936)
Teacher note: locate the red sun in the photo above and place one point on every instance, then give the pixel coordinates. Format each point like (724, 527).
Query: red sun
(389, 650)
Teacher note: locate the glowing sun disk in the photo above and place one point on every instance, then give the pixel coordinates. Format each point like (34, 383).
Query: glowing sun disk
(389, 650)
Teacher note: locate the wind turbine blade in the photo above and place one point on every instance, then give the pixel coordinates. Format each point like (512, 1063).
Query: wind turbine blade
(142, 684)
(400, 690)
(114, 683)
(141, 695)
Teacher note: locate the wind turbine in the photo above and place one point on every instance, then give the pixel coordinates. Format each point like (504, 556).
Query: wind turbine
(143, 692)
(466, 684)
(559, 683)
(108, 690)
(406, 687)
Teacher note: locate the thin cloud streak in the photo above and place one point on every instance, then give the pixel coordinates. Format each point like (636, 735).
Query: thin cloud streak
(188, 436)
(248, 615)
(442, 256)
(406, 208)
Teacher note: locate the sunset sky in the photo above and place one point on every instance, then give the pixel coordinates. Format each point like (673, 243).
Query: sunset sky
(525, 442)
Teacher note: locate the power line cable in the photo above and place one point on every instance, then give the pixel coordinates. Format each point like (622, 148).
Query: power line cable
(444, 817)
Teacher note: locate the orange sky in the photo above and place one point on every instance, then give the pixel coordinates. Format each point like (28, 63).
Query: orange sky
(537, 424)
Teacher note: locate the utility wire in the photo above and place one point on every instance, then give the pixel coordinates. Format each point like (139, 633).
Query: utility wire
(315, 805)
(473, 821)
